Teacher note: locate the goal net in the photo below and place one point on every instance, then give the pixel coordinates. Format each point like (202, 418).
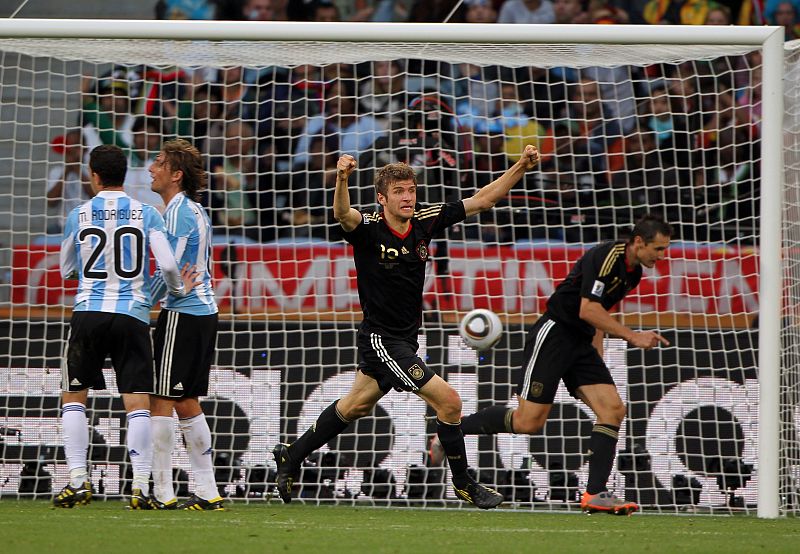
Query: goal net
(673, 127)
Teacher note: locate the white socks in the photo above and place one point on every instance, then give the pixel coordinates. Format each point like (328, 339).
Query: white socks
(197, 436)
(140, 448)
(163, 445)
(76, 441)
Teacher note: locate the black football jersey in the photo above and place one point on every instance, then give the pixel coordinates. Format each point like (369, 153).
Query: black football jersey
(601, 275)
(391, 267)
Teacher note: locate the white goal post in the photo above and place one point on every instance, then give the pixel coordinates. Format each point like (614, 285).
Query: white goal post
(99, 45)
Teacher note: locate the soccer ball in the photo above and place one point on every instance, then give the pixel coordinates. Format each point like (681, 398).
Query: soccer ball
(481, 329)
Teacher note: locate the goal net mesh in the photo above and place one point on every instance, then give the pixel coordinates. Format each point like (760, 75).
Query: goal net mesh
(623, 130)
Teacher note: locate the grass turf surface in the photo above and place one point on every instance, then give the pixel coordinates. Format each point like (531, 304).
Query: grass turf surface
(32, 526)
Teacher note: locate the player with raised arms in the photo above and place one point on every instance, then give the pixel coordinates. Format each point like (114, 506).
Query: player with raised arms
(390, 249)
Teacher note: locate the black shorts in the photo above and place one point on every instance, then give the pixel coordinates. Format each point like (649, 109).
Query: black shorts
(95, 335)
(393, 363)
(184, 347)
(554, 352)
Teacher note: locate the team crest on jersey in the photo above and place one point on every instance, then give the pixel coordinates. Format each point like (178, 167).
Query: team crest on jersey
(422, 251)
(416, 372)
(536, 389)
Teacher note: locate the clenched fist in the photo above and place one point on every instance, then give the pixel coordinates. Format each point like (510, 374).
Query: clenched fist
(345, 166)
(530, 157)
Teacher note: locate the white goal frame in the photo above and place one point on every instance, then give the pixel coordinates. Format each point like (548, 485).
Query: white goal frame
(769, 39)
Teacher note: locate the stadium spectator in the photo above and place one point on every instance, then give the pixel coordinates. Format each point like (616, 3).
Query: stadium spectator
(208, 128)
(261, 10)
(519, 127)
(570, 12)
(186, 9)
(684, 95)
(68, 184)
(310, 201)
(583, 135)
(748, 95)
(111, 317)
(477, 91)
(785, 15)
(566, 344)
(606, 13)
(719, 15)
(237, 96)
(430, 11)
(384, 93)
(340, 118)
(677, 12)
(234, 184)
(527, 11)
(146, 141)
(106, 115)
(479, 11)
(670, 130)
(390, 282)
(325, 11)
(288, 102)
(185, 336)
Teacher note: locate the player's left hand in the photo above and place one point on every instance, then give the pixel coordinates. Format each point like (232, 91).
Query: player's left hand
(189, 276)
(530, 157)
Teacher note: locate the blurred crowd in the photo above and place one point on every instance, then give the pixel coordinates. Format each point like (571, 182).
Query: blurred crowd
(685, 12)
(682, 139)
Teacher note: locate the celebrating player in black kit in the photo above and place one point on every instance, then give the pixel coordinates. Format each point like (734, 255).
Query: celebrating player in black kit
(566, 343)
(390, 249)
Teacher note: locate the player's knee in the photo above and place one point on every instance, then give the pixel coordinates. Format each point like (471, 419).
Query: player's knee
(530, 424)
(354, 411)
(616, 413)
(450, 407)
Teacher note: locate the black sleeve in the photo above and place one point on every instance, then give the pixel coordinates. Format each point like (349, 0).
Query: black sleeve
(438, 217)
(361, 233)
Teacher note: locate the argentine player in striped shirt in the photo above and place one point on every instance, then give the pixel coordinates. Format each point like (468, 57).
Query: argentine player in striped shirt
(186, 333)
(106, 245)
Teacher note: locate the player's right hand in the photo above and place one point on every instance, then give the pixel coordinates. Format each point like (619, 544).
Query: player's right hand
(189, 275)
(345, 166)
(647, 340)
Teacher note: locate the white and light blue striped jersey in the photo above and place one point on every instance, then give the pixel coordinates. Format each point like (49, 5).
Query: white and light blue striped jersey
(107, 242)
(189, 233)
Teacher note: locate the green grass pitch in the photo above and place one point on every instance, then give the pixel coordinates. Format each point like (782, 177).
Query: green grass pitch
(32, 526)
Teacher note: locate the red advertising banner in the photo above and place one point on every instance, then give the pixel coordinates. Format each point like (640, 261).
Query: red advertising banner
(509, 279)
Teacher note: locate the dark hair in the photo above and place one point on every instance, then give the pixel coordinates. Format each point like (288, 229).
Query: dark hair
(110, 163)
(391, 173)
(650, 225)
(180, 155)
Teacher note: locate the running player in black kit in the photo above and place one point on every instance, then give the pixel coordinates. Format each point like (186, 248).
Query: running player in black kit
(566, 343)
(390, 249)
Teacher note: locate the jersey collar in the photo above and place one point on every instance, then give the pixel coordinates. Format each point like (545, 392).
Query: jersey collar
(395, 233)
(176, 199)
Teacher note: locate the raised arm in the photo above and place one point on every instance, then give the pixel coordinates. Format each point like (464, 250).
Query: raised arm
(491, 194)
(348, 217)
